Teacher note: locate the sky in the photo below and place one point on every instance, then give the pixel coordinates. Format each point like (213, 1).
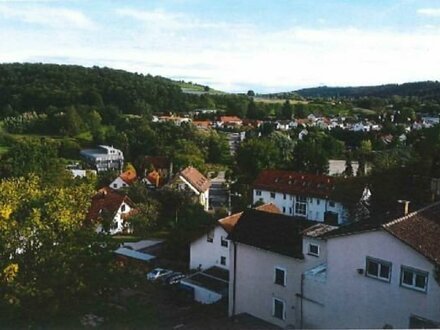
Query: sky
(232, 45)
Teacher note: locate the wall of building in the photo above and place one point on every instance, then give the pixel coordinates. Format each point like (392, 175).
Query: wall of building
(118, 183)
(315, 209)
(207, 254)
(118, 222)
(255, 288)
(353, 300)
(203, 295)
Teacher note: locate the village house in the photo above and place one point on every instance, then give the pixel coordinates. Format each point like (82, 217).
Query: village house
(156, 171)
(377, 275)
(212, 248)
(267, 259)
(300, 195)
(229, 121)
(109, 210)
(202, 124)
(192, 181)
(124, 180)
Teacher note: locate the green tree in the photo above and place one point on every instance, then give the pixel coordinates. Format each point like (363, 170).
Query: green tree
(287, 110)
(254, 155)
(51, 263)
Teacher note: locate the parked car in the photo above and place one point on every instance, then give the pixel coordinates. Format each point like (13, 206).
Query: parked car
(158, 273)
(173, 278)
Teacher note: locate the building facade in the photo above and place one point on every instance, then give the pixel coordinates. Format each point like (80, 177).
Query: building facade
(104, 158)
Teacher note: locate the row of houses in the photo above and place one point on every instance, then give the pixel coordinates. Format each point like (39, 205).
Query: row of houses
(111, 207)
(310, 272)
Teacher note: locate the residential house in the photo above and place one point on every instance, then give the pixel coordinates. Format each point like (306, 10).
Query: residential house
(124, 180)
(267, 262)
(192, 181)
(377, 274)
(229, 121)
(202, 124)
(212, 248)
(156, 170)
(104, 158)
(109, 210)
(300, 195)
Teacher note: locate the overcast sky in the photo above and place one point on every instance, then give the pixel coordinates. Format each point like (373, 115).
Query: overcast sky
(233, 45)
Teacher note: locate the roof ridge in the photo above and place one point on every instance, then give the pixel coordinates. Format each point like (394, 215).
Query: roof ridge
(409, 215)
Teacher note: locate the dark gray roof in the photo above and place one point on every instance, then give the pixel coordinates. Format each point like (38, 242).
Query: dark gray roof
(270, 231)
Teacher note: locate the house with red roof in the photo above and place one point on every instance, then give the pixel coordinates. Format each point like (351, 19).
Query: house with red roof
(300, 194)
(192, 181)
(124, 180)
(109, 211)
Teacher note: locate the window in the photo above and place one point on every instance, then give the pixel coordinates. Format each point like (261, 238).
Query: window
(210, 237)
(223, 261)
(301, 205)
(378, 269)
(413, 278)
(115, 185)
(290, 210)
(284, 196)
(314, 250)
(224, 242)
(123, 208)
(272, 195)
(284, 209)
(258, 192)
(331, 203)
(318, 201)
(280, 276)
(278, 309)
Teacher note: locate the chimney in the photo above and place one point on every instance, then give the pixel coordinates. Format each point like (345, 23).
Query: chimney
(403, 207)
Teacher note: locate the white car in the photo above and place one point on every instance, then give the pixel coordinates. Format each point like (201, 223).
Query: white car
(157, 273)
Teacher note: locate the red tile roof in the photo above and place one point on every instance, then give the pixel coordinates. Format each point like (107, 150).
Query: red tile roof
(202, 123)
(128, 176)
(295, 183)
(154, 178)
(196, 179)
(230, 119)
(229, 222)
(106, 200)
(420, 230)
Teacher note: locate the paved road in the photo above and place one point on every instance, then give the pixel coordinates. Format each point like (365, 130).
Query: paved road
(218, 193)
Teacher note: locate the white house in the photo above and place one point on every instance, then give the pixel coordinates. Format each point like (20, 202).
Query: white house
(212, 248)
(300, 194)
(110, 206)
(191, 180)
(377, 276)
(124, 180)
(267, 262)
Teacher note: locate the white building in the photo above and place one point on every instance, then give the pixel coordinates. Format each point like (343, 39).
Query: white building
(377, 276)
(104, 158)
(109, 211)
(267, 262)
(300, 194)
(363, 275)
(191, 180)
(124, 180)
(212, 249)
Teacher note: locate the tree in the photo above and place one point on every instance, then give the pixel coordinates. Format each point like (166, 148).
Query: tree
(348, 166)
(73, 124)
(146, 217)
(255, 155)
(51, 263)
(287, 110)
(250, 93)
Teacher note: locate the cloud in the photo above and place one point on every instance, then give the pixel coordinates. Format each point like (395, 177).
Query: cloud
(431, 12)
(232, 55)
(48, 17)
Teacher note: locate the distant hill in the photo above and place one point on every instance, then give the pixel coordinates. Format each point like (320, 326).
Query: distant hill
(36, 87)
(424, 89)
